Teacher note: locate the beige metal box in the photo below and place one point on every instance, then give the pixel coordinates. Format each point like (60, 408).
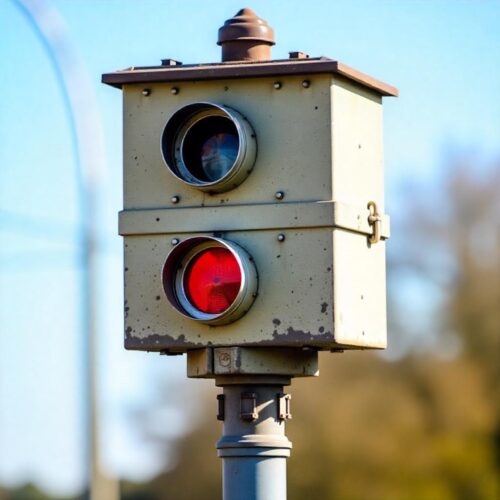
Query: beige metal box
(301, 214)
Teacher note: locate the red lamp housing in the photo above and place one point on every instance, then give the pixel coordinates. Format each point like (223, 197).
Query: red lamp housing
(210, 280)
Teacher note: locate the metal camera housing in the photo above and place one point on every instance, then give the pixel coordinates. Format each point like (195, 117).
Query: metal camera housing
(301, 214)
(178, 261)
(183, 124)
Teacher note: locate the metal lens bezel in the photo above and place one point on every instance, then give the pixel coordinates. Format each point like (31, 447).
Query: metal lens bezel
(173, 276)
(177, 129)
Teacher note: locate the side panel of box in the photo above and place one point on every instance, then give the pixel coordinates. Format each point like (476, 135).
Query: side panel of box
(359, 268)
(359, 291)
(357, 147)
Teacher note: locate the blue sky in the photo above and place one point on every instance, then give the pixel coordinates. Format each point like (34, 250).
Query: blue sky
(443, 56)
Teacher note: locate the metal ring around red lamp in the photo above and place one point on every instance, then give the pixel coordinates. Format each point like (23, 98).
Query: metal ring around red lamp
(210, 280)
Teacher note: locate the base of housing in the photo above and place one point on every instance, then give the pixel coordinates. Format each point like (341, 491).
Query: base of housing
(248, 361)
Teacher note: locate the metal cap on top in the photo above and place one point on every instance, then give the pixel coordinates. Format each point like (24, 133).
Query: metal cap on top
(246, 37)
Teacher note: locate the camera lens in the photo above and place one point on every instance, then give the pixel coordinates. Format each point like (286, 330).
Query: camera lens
(209, 146)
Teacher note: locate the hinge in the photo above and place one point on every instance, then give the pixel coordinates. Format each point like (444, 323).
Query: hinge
(374, 219)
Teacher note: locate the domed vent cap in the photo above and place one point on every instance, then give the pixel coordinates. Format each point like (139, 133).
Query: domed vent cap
(246, 37)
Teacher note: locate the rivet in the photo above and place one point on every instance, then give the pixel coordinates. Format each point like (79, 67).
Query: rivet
(281, 237)
(175, 199)
(277, 85)
(175, 241)
(146, 92)
(174, 90)
(306, 84)
(279, 195)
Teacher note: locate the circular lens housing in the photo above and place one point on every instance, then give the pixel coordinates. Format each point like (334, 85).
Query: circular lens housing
(209, 146)
(210, 280)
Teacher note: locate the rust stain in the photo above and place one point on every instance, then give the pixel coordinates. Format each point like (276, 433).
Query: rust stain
(157, 342)
(300, 336)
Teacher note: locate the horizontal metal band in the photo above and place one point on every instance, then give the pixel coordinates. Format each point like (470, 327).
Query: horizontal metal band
(253, 444)
(215, 219)
(253, 452)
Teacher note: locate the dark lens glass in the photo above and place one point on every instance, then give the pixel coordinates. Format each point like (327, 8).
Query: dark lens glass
(210, 148)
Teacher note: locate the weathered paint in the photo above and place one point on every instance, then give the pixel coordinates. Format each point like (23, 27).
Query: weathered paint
(323, 285)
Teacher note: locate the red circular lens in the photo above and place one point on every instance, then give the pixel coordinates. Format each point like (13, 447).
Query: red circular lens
(212, 280)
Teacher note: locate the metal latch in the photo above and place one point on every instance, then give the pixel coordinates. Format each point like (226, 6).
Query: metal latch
(374, 219)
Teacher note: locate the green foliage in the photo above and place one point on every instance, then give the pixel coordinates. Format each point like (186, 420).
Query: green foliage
(27, 492)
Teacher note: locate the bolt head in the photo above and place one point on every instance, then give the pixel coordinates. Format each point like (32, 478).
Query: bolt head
(146, 92)
(175, 241)
(306, 84)
(277, 85)
(175, 199)
(279, 195)
(281, 237)
(174, 90)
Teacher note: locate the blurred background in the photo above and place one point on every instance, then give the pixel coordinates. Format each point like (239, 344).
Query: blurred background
(418, 421)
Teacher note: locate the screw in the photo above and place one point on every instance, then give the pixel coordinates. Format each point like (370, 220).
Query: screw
(279, 195)
(175, 199)
(174, 90)
(306, 84)
(175, 241)
(225, 359)
(277, 85)
(281, 237)
(146, 92)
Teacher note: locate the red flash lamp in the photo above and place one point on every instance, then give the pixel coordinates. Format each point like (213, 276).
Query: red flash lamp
(210, 280)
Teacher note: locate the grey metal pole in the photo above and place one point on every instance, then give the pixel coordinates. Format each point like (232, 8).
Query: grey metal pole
(253, 446)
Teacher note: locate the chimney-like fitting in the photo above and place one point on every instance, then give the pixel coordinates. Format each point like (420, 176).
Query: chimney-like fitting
(246, 37)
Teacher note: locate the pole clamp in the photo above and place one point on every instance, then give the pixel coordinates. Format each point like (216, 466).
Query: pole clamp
(284, 406)
(221, 399)
(248, 408)
(374, 219)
